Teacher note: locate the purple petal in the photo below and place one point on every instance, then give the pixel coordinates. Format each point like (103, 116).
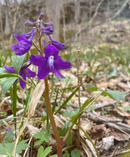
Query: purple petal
(21, 47)
(47, 30)
(51, 50)
(61, 64)
(37, 60)
(31, 73)
(48, 23)
(27, 35)
(41, 16)
(57, 72)
(31, 37)
(24, 67)
(20, 37)
(10, 69)
(9, 129)
(22, 83)
(57, 44)
(43, 72)
(30, 23)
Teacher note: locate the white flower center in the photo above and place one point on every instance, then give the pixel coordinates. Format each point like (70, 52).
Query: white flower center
(51, 62)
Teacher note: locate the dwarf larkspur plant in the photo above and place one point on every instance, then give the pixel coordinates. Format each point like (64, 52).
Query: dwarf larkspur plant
(48, 60)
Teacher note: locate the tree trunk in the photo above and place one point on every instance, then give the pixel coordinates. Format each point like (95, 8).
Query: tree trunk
(77, 11)
(53, 9)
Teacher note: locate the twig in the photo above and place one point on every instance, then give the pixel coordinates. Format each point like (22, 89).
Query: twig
(78, 131)
(27, 147)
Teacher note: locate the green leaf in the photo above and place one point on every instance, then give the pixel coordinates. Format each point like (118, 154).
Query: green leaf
(3, 150)
(8, 137)
(8, 75)
(71, 113)
(38, 142)
(92, 89)
(42, 136)
(7, 84)
(75, 153)
(87, 102)
(44, 153)
(73, 118)
(10, 148)
(66, 154)
(4, 71)
(67, 100)
(126, 108)
(112, 94)
(22, 145)
(115, 94)
(17, 62)
(62, 132)
(66, 125)
(40, 152)
(113, 71)
(47, 151)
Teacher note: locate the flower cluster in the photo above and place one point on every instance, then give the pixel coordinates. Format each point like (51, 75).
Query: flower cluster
(48, 60)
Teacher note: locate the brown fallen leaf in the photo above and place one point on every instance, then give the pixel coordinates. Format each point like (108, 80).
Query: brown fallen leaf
(2, 135)
(121, 111)
(97, 132)
(107, 143)
(119, 136)
(37, 93)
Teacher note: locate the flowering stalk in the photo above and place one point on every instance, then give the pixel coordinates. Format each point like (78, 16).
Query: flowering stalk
(50, 113)
(48, 61)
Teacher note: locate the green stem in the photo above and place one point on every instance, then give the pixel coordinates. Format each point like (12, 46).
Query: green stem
(48, 106)
(14, 101)
(50, 113)
(30, 78)
(88, 138)
(25, 81)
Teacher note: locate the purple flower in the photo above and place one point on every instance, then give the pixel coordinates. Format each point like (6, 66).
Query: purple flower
(39, 24)
(52, 62)
(9, 129)
(23, 44)
(57, 44)
(23, 73)
(30, 23)
(28, 34)
(47, 30)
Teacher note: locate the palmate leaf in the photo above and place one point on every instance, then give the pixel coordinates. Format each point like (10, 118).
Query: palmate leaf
(44, 153)
(8, 148)
(17, 62)
(7, 84)
(22, 145)
(111, 93)
(3, 150)
(42, 136)
(8, 137)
